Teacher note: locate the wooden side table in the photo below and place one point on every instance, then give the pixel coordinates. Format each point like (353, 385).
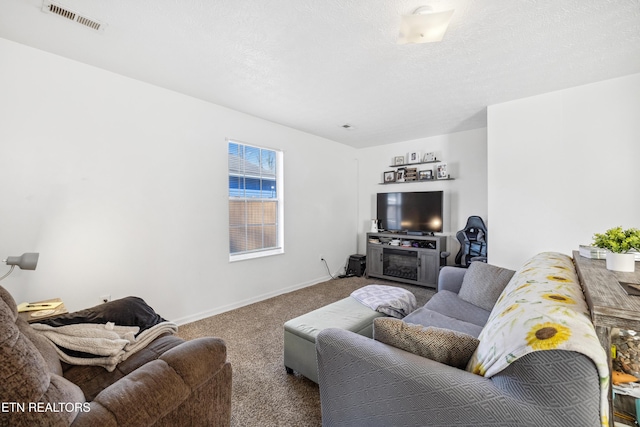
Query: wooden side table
(35, 316)
(609, 304)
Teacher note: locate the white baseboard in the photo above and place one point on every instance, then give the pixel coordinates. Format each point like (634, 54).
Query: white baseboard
(258, 298)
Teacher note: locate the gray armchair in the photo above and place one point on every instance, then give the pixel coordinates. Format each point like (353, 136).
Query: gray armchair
(170, 382)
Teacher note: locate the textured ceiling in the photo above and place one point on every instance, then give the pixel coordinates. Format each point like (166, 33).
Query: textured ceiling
(315, 65)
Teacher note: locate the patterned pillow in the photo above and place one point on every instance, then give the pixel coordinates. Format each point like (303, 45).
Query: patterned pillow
(483, 283)
(442, 345)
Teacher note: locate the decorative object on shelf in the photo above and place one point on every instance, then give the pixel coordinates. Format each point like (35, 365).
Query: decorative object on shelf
(442, 171)
(374, 225)
(390, 176)
(410, 174)
(398, 160)
(592, 252)
(425, 175)
(627, 358)
(400, 174)
(619, 242)
(404, 173)
(26, 261)
(414, 157)
(621, 262)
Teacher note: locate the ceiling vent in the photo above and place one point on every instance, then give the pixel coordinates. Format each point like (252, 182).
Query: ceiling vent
(56, 9)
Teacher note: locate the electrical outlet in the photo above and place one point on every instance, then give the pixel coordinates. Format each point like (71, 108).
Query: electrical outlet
(105, 298)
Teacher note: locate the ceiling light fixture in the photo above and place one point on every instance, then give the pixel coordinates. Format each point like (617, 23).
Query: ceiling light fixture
(424, 25)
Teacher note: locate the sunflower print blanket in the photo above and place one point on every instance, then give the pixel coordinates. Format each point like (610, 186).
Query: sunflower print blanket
(542, 308)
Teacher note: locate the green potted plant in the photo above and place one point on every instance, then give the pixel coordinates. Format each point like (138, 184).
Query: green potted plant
(619, 242)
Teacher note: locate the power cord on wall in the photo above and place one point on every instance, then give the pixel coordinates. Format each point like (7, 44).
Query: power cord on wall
(346, 269)
(327, 265)
(341, 276)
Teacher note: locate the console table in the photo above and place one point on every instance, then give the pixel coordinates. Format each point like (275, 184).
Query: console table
(609, 304)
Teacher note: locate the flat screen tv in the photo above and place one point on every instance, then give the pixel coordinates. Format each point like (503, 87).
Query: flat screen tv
(413, 212)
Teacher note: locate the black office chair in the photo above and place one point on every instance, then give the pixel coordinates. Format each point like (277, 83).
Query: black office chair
(473, 243)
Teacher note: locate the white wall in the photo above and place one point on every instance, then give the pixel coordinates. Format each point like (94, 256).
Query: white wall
(466, 156)
(122, 188)
(563, 166)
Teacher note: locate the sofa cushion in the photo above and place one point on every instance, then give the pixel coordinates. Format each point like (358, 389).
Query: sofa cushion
(45, 347)
(449, 304)
(442, 345)
(483, 284)
(93, 379)
(10, 303)
(426, 317)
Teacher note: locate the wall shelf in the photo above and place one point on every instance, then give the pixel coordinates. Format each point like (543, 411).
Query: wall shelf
(404, 173)
(418, 180)
(413, 164)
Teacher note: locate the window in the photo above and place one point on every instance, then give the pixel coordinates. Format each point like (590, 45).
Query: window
(255, 201)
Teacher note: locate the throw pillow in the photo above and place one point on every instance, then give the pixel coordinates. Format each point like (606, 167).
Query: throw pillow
(442, 345)
(483, 283)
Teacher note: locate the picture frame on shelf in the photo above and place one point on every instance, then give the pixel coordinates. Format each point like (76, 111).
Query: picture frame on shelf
(425, 175)
(410, 174)
(441, 171)
(389, 176)
(400, 175)
(398, 160)
(429, 157)
(414, 157)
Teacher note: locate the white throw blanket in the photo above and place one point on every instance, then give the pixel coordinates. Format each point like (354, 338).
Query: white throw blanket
(110, 343)
(391, 300)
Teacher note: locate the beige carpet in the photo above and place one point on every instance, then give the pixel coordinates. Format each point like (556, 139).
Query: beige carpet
(263, 393)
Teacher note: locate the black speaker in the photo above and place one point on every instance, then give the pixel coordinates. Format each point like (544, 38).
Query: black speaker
(357, 265)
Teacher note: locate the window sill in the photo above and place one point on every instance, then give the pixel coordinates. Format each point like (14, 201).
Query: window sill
(257, 254)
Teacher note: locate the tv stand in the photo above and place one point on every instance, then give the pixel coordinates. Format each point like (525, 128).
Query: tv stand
(417, 262)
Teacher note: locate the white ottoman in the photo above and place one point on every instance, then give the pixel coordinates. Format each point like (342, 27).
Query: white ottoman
(300, 333)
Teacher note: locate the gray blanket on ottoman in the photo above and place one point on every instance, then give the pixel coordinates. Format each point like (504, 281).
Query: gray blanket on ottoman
(390, 300)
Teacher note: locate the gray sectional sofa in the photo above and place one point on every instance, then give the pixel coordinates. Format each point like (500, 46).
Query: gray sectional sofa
(365, 382)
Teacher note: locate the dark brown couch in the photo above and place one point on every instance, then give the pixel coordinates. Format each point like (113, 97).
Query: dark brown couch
(168, 383)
